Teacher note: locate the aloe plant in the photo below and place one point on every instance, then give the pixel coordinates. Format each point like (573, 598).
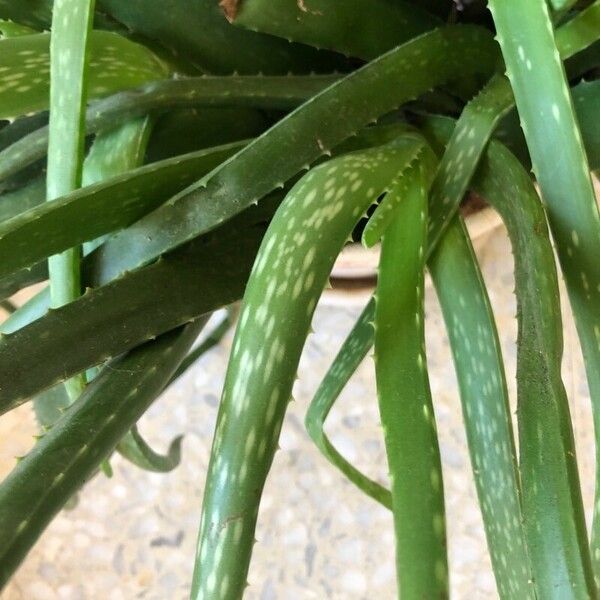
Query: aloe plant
(314, 123)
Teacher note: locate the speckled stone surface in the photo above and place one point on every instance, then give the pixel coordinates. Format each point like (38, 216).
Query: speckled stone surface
(318, 537)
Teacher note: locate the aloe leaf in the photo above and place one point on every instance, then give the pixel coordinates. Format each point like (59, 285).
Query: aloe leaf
(486, 412)
(25, 65)
(126, 312)
(199, 31)
(306, 234)
(34, 308)
(579, 32)
(469, 139)
(538, 367)
(561, 6)
(10, 29)
(554, 521)
(21, 127)
(361, 28)
(283, 92)
(69, 454)
(349, 357)
(301, 138)
(100, 208)
(137, 451)
(117, 151)
(243, 233)
(405, 399)
(582, 65)
(400, 188)
(586, 97)
(480, 118)
(485, 406)
(50, 405)
(559, 161)
(33, 13)
(113, 153)
(71, 25)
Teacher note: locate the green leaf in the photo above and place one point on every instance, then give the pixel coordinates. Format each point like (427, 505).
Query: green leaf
(23, 278)
(23, 199)
(299, 139)
(33, 13)
(113, 153)
(198, 30)
(128, 311)
(136, 450)
(210, 341)
(185, 130)
(291, 269)
(484, 397)
(25, 68)
(579, 32)
(559, 161)
(10, 29)
(283, 92)
(349, 357)
(71, 25)
(361, 28)
(69, 454)
(480, 118)
(401, 188)
(405, 404)
(100, 208)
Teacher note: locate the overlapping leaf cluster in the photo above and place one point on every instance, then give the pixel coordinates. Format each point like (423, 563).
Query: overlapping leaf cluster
(195, 157)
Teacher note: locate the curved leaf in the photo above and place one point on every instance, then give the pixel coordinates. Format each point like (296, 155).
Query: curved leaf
(25, 68)
(69, 454)
(283, 92)
(299, 139)
(560, 163)
(302, 242)
(136, 450)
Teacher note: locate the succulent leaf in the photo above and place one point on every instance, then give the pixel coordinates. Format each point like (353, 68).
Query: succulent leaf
(26, 67)
(136, 450)
(277, 92)
(126, 312)
(560, 163)
(200, 32)
(210, 341)
(36, 14)
(349, 357)
(361, 28)
(404, 396)
(525, 220)
(69, 454)
(301, 138)
(10, 29)
(101, 207)
(306, 234)
(71, 26)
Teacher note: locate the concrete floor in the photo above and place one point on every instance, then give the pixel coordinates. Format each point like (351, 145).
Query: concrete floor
(134, 536)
